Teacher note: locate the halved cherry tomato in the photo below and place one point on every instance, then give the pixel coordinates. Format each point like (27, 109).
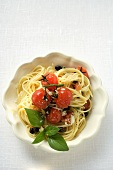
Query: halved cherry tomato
(40, 99)
(77, 86)
(54, 116)
(84, 71)
(87, 105)
(50, 78)
(64, 97)
(67, 118)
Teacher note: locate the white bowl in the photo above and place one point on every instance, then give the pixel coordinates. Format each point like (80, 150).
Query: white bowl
(99, 100)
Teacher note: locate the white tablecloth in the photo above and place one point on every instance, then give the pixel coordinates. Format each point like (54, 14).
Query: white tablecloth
(79, 28)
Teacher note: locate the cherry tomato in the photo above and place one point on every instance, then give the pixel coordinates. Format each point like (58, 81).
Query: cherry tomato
(64, 97)
(38, 99)
(84, 71)
(87, 105)
(50, 78)
(54, 116)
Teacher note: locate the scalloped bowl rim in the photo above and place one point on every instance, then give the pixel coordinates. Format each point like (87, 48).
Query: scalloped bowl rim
(17, 124)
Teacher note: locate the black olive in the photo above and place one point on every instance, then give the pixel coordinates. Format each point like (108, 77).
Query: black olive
(45, 98)
(57, 67)
(66, 109)
(36, 129)
(86, 114)
(47, 110)
(32, 131)
(62, 129)
(55, 95)
(75, 82)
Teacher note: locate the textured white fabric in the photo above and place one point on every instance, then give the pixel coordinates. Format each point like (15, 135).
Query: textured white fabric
(79, 28)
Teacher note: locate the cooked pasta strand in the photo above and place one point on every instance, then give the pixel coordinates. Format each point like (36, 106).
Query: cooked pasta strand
(32, 81)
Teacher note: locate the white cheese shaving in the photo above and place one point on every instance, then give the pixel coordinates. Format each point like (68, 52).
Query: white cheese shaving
(64, 113)
(57, 108)
(49, 92)
(72, 119)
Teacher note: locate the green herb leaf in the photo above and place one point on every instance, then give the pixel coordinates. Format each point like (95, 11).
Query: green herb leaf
(35, 117)
(39, 138)
(51, 130)
(58, 143)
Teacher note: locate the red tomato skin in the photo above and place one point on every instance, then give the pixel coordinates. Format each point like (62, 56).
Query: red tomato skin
(64, 97)
(83, 70)
(87, 105)
(54, 116)
(38, 99)
(51, 78)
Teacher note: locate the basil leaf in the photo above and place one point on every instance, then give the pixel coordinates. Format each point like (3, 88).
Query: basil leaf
(39, 138)
(58, 143)
(35, 117)
(51, 130)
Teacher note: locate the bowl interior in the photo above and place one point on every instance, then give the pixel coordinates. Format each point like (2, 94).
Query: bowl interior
(93, 120)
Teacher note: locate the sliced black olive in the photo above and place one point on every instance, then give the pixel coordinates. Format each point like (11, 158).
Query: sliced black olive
(58, 67)
(62, 129)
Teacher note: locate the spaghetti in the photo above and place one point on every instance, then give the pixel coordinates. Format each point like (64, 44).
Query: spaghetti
(73, 117)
